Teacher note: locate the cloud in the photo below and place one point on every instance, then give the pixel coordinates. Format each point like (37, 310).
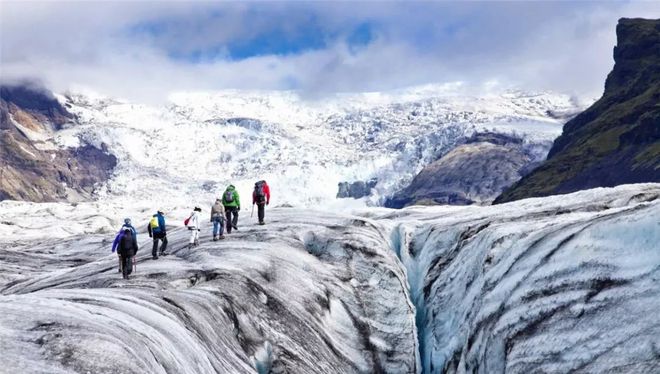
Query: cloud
(144, 50)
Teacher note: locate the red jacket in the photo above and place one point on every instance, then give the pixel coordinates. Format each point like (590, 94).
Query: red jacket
(266, 192)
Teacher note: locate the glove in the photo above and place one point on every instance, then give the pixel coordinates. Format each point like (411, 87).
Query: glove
(267, 202)
(238, 209)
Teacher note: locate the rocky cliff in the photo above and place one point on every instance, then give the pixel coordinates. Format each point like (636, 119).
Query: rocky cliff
(617, 140)
(32, 166)
(475, 172)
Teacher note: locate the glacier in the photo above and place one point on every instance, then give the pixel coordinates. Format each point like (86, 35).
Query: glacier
(190, 147)
(558, 284)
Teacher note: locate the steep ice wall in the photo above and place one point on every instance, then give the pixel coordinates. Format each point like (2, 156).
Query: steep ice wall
(560, 284)
(311, 293)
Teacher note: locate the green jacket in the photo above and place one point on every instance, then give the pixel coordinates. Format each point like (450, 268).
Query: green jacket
(236, 201)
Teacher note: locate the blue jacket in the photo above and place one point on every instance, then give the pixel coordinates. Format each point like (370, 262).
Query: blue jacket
(160, 229)
(120, 235)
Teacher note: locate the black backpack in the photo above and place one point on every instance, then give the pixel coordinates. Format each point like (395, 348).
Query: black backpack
(259, 191)
(127, 244)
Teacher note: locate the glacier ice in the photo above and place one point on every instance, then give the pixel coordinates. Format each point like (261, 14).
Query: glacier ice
(190, 148)
(558, 284)
(259, 300)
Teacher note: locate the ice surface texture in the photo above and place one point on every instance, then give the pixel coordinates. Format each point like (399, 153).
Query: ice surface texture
(558, 284)
(306, 294)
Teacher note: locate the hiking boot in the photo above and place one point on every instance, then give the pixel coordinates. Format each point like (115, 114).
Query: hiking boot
(262, 223)
(221, 237)
(155, 257)
(234, 226)
(215, 238)
(126, 276)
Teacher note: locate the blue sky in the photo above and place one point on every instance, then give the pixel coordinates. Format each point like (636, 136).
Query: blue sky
(143, 49)
(285, 37)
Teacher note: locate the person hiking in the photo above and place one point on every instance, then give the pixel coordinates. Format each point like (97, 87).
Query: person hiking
(232, 203)
(261, 197)
(115, 243)
(158, 231)
(193, 226)
(127, 248)
(218, 219)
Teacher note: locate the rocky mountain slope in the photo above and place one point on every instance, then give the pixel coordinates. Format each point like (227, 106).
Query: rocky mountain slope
(557, 284)
(475, 172)
(616, 140)
(33, 166)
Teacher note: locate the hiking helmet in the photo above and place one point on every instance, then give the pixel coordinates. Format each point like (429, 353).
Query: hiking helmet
(127, 221)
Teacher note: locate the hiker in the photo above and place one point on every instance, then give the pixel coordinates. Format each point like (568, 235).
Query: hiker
(218, 219)
(158, 231)
(261, 197)
(232, 203)
(127, 249)
(193, 226)
(115, 243)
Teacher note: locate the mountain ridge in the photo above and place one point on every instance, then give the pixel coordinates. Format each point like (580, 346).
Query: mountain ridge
(32, 165)
(617, 139)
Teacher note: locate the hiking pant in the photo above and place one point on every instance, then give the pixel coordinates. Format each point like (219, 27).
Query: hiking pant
(194, 235)
(163, 247)
(229, 212)
(261, 211)
(126, 265)
(218, 225)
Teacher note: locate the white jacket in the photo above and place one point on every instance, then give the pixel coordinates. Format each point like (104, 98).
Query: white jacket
(193, 222)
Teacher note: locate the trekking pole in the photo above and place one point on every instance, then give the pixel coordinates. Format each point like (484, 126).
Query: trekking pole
(252, 212)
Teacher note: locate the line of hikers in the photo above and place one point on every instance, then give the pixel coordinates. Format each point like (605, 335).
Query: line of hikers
(224, 213)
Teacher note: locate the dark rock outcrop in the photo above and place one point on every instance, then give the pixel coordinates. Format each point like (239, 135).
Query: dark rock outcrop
(357, 189)
(472, 173)
(31, 167)
(617, 140)
(36, 101)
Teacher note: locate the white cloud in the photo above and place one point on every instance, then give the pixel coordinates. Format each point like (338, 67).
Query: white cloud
(558, 46)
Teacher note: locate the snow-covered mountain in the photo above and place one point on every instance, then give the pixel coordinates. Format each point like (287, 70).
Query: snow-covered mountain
(558, 284)
(187, 150)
